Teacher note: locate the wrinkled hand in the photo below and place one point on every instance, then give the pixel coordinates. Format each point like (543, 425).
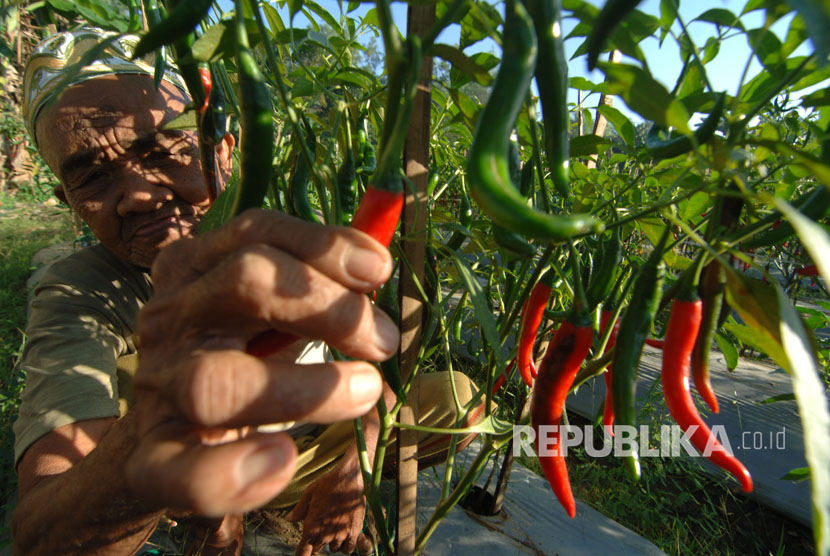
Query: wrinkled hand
(332, 511)
(198, 392)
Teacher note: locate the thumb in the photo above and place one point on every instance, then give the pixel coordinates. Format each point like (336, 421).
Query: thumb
(300, 510)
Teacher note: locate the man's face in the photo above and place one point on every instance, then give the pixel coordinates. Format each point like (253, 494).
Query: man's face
(138, 187)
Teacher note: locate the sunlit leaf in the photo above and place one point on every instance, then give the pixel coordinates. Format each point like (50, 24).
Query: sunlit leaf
(644, 95)
(722, 17)
(788, 397)
(797, 475)
(816, 16)
(730, 352)
(620, 122)
(815, 415)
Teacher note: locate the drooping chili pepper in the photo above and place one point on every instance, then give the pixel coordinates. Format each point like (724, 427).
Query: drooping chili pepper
(257, 134)
(608, 410)
(182, 20)
(612, 13)
(604, 276)
(512, 243)
(634, 329)
(712, 284)
(503, 377)
(487, 163)
(388, 301)
(681, 331)
(566, 352)
(347, 183)
(300, 177)
(532, 314)
(207, 84)
(660, 146)
(214, 118)
(552, 79)
(465, 218)
(527, 182)
(380, 208)
(153, 12)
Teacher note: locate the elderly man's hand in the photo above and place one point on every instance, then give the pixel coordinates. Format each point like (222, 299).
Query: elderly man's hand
(199, 392)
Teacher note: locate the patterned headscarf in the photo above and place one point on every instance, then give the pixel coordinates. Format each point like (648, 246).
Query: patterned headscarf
(53, 60)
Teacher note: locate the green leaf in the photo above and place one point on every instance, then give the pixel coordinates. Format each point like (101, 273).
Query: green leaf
(812, 236)
(695, 206)
(817, 98)
(644, 95)
(797, 475)
(294, 6)
(819, 169)
(796, 35)
(482, 311)
(766, 46)
(620, 122)
(756, 339)
(303, 87)
(789, 397)
(816, 16)
(463, 67)
(488, 425)
(477, 22)
(668, 13)
(711, 50)
(730, 352)
(217, 41)
(814, 413)
(587, 145)
(586, 85)
(722, 17)
(185, 120)
(220, 210)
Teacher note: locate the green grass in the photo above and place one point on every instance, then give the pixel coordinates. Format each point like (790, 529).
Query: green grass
(25, 228)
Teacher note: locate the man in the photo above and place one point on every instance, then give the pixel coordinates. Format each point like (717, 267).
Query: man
(94, 482)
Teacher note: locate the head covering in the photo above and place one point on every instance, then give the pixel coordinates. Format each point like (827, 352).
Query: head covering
(53, 59)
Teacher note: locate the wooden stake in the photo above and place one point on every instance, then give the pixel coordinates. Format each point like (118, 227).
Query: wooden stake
(413, 227)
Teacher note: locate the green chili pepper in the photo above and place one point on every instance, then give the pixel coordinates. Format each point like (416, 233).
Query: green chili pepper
(214, 118)
(634, 328)
(388, 302)
(603, 277)
(712, 284)
(552, 80)
(514, 244)
(660, 146)
(487, 158)
(527, 182)
(347, 185)
(181, 21)
(465, 218)
(368, 163)
(257, 135)
(154, 16)
(300, 177)
(135, 16)
(612, 13)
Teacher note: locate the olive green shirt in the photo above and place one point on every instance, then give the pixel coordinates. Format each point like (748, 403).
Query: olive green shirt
(81, 320)
(80, 352)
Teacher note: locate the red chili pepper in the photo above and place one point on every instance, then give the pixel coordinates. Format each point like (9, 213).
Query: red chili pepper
(204, 73)
(684, 322)
(532, 314)
(809, 270)
(659, 344)
(565, 354)
(608, 411)
(378, 214)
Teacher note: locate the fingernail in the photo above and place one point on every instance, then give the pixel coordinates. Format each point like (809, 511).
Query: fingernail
(264, 462)
(365, 265)
(365, 386)
(386, 335)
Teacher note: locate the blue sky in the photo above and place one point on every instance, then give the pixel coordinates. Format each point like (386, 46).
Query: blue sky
(664, 61)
